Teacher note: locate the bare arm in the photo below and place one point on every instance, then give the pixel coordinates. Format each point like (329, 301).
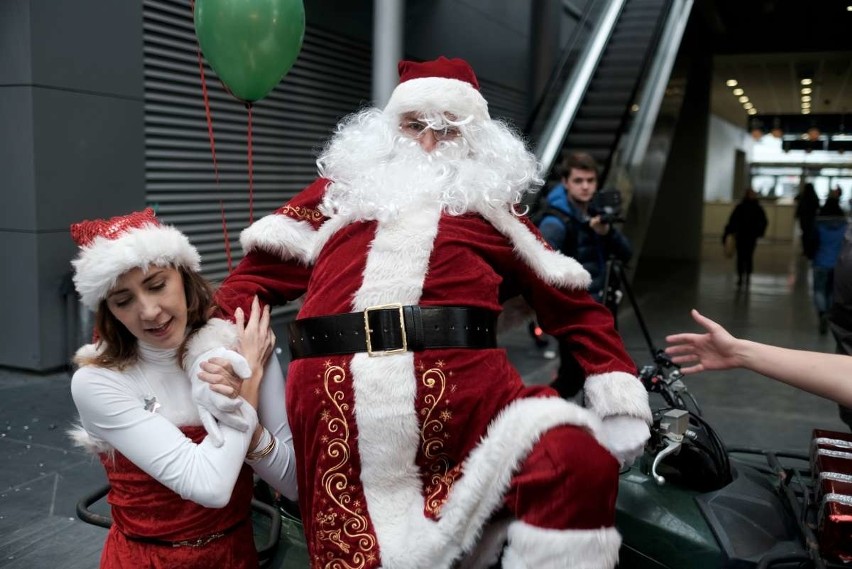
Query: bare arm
(826, 375)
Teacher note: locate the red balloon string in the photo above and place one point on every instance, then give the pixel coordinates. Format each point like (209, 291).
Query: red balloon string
(250, 168)
(225, 232)
(212, 143)
(209, 116)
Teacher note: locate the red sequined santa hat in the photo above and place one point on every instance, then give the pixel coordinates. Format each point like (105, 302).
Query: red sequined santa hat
(444, 85)
(111, 247)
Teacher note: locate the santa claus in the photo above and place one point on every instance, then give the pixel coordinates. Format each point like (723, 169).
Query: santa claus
(412, 429)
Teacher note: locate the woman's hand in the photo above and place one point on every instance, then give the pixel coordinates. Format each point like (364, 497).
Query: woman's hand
(220, 374)
(256, 339)
(256, 342)
(712, 351)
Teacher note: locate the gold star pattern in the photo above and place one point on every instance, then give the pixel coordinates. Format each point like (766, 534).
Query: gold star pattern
(446, 415)
(327, 363)
(325, 415)
(440, 363)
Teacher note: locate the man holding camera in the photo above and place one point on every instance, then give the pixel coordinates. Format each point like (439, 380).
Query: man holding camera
(571, 224)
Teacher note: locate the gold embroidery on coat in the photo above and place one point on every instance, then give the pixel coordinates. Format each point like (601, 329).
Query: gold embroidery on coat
(432, 437)
(300, 212)
(335, 481)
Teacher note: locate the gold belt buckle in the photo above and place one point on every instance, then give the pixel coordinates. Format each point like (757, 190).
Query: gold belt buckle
(368, 331)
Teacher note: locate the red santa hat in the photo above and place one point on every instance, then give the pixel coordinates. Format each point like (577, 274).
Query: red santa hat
(111, 247)
(445, 85)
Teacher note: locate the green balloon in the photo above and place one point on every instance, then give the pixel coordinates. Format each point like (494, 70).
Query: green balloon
(251, 44)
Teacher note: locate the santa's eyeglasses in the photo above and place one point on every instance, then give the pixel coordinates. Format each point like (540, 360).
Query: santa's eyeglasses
(417, 128)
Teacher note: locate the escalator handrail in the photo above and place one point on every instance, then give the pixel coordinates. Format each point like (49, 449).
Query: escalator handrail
(550, 144)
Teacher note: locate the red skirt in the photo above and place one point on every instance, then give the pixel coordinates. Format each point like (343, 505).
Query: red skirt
(148, 518)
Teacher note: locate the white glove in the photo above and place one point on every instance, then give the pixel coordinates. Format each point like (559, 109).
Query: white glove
(625, 436)
(212, 405)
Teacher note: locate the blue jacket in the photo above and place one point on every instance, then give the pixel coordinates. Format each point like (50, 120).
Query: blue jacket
(830, 231)
(571, 234)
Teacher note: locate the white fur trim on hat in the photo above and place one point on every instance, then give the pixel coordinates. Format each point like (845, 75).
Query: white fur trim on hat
(438, 94)
(101, 263)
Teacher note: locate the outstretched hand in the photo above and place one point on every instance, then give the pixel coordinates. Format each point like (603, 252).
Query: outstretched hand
(715, 350)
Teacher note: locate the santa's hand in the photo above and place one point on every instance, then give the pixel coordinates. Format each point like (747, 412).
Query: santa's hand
(213, 406)
(625, 436)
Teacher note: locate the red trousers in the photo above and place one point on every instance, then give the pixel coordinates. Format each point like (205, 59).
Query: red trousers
(568, 481)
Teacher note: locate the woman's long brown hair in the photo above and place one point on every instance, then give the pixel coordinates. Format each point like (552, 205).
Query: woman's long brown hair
(119, 347)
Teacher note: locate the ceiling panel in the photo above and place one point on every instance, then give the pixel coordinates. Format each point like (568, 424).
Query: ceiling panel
(772, 83)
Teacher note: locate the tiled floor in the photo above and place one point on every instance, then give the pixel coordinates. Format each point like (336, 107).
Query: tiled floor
(42, 477)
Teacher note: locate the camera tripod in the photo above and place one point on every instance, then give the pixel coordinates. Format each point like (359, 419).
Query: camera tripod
(615, 281)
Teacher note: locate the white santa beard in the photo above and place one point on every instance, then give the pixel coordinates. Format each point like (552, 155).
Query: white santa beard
(376, 173)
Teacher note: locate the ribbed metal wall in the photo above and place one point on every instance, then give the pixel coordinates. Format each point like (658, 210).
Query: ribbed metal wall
(330, 79)
(505, 103)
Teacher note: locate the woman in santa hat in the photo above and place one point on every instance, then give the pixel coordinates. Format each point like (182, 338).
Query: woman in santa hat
(179, 497)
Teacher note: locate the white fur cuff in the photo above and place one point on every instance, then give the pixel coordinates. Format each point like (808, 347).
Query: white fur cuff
(282, 236)
(531, 547)
(617, 393)
(217, 333)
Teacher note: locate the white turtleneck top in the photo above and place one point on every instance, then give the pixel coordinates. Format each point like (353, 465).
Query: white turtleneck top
(137, 411)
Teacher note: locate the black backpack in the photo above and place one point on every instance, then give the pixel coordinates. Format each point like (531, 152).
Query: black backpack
(542, 209)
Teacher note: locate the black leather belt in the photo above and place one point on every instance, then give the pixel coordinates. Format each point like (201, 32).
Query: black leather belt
(393, 328)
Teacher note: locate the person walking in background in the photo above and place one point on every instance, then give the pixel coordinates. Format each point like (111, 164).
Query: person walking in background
(807, 205)
(747, 224)
(840, 312)
(830, 228)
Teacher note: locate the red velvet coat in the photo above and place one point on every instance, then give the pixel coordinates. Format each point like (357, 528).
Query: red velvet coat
(403, 458)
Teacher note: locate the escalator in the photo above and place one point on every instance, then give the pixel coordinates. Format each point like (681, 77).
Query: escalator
(611, 93)
(600, 80)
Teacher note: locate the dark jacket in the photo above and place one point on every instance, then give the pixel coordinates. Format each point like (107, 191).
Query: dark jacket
(566, 229)
(747, 221)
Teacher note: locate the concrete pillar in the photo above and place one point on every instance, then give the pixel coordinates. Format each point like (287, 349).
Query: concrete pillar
(71, 133)
(388, 29)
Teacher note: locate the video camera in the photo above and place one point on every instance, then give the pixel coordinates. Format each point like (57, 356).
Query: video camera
(606, 204)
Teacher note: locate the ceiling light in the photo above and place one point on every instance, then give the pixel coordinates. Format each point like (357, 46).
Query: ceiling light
(806, 90)
(806, 111)
(738, 92)
(849, 8)
(807, 81)
(748, 106)
(743, 99)
(731, 82)
(752, 111)
(806, 98)
(806, 105)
